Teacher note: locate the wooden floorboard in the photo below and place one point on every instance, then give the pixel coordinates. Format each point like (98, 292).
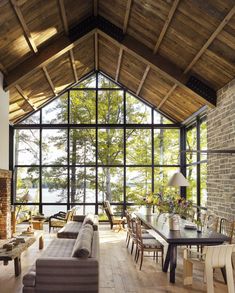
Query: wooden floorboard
(118, 271)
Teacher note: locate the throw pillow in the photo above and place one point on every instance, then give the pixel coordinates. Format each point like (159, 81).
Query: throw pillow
(82, 246)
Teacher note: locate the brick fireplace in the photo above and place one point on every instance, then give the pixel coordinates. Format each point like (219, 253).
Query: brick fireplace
(5, 204)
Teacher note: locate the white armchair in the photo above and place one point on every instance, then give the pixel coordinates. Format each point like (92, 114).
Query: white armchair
(219, 256)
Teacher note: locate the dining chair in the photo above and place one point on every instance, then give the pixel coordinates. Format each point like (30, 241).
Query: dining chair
(129, 233)
(212, 257)
(146, 245)
(227, 228)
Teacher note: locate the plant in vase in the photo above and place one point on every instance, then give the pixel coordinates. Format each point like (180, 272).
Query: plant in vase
(175, 207)
(148, 201)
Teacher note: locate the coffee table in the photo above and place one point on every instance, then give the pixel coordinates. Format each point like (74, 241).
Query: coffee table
(15, 253)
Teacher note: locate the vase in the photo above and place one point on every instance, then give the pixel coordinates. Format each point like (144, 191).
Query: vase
(148, 210)
(174, 222)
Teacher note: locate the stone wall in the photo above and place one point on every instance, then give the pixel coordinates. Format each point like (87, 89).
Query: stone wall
(5, 204)
(221, 167)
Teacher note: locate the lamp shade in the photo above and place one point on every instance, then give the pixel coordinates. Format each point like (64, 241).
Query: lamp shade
(178, 179)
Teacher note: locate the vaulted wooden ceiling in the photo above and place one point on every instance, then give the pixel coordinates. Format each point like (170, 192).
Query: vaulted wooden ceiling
(173, 53)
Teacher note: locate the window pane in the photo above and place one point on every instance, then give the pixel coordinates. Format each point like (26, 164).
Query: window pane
(110, 107)
(138, 146)
(82, 107)
(110, 184)
(159, 119)
(136, 111)
(104, 82)
(203, 184)
(27, 146)
(161, 177)
(138, 183)
(82, 185)
(166, 146)
(27, 184)
(84, 210)
(82, 146)
(110, 146)
(33, 119)
(191, 144)
(192, 188)
(57, 111)
(51, 210)
(89, 82)
(54, 146)
(203, 139)
(117, 210)
(54, 184)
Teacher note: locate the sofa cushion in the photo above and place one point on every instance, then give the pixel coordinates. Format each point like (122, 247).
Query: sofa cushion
(83, 244)
(70, 230)
(59, 248)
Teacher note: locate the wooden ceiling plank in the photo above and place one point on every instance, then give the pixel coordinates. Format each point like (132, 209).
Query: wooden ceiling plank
(63, 16)
(73, 65)
(156, 62)
(95, 7)
(211, 38)
(166, 25)
(49, 80)
(143, 80)
(96, 52)
(127, 15)
(119, 63)
(46, 55)
(167, 96)
(21, 92)
(24, 26)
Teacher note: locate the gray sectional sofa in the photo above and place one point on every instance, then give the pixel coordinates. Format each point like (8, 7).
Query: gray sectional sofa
(68, 265)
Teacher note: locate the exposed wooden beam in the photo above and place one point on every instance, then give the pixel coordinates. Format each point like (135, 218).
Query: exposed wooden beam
(166, 25)
(143, 80)
(167, 96)
(158, 63)
(211, 38)
(44, 57)
(21, 92)
(95, 7)
(127, 15)
(73, 65)
(49, 80)
(24, 26)
(96, 52)
(2, 69)
(63, 16)
(119, 63)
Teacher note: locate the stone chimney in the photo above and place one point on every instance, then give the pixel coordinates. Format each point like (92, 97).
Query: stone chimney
(5, 204)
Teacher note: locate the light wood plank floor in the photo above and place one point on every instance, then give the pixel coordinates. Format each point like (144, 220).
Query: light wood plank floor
(118, 271)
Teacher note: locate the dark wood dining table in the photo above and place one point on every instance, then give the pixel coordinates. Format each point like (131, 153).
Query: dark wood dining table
(178, 238)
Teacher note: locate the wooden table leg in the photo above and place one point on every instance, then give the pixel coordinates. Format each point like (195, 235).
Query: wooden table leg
(17, 265)
(41, 242)
(173, 263)
(167, 259)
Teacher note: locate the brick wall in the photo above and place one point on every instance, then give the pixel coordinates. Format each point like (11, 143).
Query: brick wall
(5, 204)
(221, 168)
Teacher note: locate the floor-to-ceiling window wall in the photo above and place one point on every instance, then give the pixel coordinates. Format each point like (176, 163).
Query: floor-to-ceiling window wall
(196, 161)
(94, 142)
